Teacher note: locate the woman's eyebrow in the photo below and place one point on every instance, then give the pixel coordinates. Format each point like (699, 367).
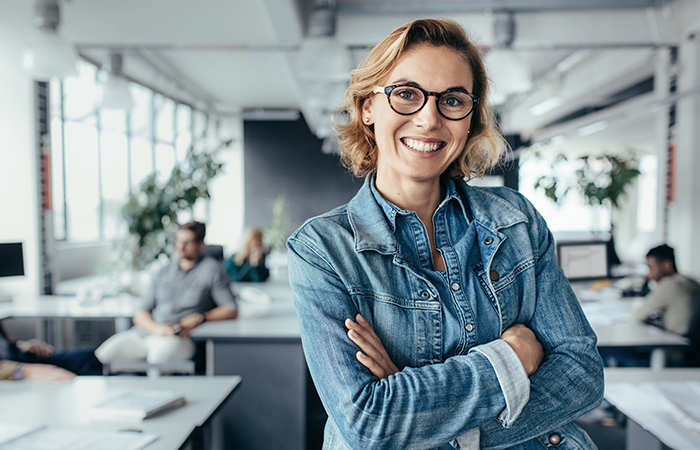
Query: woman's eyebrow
(414, 83)
(405, 81)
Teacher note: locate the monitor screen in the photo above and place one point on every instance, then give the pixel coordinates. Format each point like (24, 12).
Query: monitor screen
(11, 259)
(583, 260)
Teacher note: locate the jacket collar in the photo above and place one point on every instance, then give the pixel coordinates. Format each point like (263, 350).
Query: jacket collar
(374, 223)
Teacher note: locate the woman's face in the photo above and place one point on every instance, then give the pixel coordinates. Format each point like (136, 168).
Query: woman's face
(419, 147)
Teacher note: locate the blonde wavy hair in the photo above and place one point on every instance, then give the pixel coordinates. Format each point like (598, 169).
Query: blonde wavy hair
(485, 145)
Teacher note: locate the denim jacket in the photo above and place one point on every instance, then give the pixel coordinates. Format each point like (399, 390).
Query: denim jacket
(442, 329)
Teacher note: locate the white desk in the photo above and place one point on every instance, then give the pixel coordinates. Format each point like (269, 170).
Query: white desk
(648, 426)
(611, 323)
(68, 405)
(272, 409)
(54, 308)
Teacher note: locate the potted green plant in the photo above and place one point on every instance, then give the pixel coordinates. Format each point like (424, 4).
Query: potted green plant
(601, 179)
(151, 211)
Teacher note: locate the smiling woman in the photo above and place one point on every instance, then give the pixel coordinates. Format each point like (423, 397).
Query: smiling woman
(464, 322)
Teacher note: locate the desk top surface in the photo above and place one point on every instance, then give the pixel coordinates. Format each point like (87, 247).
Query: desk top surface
(68, 404)
(273, 317)
(663, 402)
(54, 306)
(610, 319)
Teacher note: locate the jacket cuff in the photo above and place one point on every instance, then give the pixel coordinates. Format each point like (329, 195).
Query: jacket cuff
(511, 375)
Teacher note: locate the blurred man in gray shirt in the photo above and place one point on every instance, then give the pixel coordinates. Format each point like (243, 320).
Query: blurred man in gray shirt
(189, 291)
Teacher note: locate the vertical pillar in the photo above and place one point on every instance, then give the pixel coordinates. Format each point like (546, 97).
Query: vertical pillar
(684, 213)
(226, 207)
(44, 202)
(662, 80)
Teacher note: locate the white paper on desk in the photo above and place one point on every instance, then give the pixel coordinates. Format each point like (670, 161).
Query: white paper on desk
(685, 397)
(79, 439)
(606, 313)
(647, 405)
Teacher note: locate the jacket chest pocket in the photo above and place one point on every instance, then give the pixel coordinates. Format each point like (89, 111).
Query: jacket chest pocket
(410, 329)
(506, 285)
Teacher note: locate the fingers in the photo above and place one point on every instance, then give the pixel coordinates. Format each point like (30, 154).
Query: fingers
(372, 353)
(376, 369)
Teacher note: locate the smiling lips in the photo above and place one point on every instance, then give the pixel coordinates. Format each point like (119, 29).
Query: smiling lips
(423, 146)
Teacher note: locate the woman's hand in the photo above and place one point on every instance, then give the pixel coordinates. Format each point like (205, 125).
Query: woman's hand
(255, 256)
(526, 346)
(372, 353)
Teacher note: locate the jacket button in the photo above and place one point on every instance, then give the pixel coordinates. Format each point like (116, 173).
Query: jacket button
(493, 275)
(469, 327)
(455, 286)
(425, 295)
(487, 241)
(408, 260)
(554, 439)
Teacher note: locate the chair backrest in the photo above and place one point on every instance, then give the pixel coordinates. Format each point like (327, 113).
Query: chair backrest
(692, 355)
(214, 251)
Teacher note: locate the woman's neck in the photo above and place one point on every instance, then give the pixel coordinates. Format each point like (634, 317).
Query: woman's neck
(421, 197)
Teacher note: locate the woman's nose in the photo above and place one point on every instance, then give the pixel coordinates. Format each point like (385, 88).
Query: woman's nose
(429, 116)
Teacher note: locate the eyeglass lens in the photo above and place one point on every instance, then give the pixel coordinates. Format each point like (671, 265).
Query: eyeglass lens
(409, 100)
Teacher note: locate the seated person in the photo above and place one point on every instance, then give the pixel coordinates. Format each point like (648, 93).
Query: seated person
(249, 263)
(189, 291)
(79, 361)
(673, 296)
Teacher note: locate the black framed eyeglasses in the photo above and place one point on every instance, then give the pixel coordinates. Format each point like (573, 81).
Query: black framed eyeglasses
(407, 99)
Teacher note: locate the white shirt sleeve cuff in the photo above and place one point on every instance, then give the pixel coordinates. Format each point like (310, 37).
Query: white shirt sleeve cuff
(511, 375)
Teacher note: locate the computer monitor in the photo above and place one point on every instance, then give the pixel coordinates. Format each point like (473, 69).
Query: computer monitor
(11, 259)
(586, 260)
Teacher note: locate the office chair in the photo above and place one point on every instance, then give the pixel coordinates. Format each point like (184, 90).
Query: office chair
(150, 369)
(692, 353)
(214, 251)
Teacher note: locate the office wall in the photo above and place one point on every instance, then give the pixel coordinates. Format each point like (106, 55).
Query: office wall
(285, 158)
(18, 192)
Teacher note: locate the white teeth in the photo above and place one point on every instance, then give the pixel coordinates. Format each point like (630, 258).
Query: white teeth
(421, 146)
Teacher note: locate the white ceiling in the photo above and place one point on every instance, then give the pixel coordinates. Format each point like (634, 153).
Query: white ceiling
(228, 56)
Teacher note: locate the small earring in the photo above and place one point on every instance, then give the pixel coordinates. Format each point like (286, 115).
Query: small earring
(367, 119)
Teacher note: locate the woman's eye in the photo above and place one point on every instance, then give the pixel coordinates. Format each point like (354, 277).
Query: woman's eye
(452, 101)
(406, 94)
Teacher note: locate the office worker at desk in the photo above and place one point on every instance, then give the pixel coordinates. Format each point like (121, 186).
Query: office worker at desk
(673, 297)
(190, 290)
(480, 342)
(249, 263)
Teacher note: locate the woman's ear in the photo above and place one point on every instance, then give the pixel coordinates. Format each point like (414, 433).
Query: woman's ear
(367, 118)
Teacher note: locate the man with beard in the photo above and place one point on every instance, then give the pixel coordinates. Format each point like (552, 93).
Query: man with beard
(190, 290)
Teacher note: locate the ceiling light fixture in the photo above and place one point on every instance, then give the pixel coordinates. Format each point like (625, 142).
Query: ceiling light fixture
(592, 128)
(546, 106)
(321, 56)
(115, 92)
(503, 29)
(49, 55)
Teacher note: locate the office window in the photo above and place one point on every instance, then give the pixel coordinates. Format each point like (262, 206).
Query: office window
(646, 196)
(572, 213)
(98, 155)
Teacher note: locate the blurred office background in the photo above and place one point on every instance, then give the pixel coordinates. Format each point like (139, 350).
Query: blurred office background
(142, 81)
